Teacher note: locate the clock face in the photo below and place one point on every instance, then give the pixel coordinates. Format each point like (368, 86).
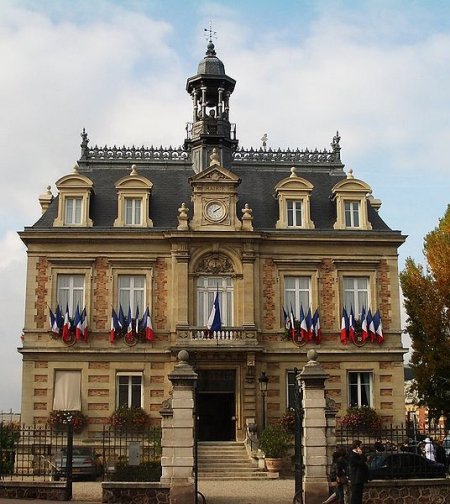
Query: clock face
(215, 211)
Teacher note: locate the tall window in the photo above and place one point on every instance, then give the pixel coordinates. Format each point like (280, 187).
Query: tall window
(72, 210)
(291, 384)
(129, 389)
(70, 292)
(351, 210)
(207, 287)
(297, 293)
(360, 389)
(67, 390)
(133, 216)
(356, 294)
(294, 213)
(132, 292)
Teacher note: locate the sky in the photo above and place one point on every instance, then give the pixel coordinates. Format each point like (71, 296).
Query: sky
(377, 71)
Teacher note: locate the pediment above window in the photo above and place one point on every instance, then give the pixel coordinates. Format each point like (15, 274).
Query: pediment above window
(294, 202)
(351, 197)
(74, 200)
(133, 200)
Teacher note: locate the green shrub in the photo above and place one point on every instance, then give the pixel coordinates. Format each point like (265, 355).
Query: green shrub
(146, 471)
(275, 441)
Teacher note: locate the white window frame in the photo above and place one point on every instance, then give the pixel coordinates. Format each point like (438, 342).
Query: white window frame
(361, 381)
(133, 215)
(71, 299)
(130, 375)
(136, 294)
(356, 292)
(298, 293)
(352, 213)
(206, 288)
(73, 216)
(294, 213)
(67, 390)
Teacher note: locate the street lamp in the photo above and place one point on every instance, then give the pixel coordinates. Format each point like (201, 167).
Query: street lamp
(263, 381)
(298, 410)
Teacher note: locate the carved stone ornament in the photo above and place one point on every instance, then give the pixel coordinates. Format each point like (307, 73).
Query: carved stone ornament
(214, 264)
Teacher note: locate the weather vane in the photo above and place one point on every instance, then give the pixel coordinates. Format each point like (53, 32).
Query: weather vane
(211, 33)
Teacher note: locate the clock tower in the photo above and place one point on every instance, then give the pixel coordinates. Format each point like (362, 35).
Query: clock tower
(210, 90)
(214, 195)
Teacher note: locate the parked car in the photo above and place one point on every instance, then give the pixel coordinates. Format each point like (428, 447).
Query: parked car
(403, 465)
(85, 463)
(446, 445)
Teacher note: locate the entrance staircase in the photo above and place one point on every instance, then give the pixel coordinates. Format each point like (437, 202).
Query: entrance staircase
(226, 461)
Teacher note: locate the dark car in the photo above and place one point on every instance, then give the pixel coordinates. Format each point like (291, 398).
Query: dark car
(85, 463)
(404, 465)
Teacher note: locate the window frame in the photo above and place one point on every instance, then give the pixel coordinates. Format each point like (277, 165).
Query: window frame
(359, 385)
(132, 290)
(357, 310)
(352, 209)
(70, 297)
(135, 213)
(292, 213)
(73, 221)
(297, 290)
(129, 375)
(69, 406)
(208, 292)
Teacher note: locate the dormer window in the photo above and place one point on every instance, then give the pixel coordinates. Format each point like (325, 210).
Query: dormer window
(133, 201)
(74, 200)
(73, 211)
(133, 211)
(294, 213)
(351, 209)
(351, 197)
(293, 194)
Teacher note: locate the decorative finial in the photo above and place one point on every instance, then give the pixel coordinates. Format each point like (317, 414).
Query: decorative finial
(84, 144)
(75, 168)
(247, 218)
(293, 173)
(264, 141)
(350, 174)
(211, 34)
(183, 218)
(214, 157)
(133, 170)
(336, 147)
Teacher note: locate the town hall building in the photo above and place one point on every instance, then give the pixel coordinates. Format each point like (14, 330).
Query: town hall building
(139, 244)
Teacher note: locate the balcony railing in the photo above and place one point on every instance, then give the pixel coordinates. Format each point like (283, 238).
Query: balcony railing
(232, 336)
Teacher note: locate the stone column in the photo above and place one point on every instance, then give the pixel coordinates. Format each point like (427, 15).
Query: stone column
(315, 482)
(177, 459)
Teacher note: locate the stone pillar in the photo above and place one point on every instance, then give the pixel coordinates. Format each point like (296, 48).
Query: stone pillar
(177, 459)
(315, 483)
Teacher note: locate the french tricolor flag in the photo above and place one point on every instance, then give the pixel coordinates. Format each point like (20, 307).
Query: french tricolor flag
(214, 321)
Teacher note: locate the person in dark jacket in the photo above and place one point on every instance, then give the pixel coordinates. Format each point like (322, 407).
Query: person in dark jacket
(359, 472)
(338, 477)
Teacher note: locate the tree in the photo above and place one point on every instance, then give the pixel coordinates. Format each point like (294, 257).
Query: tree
(427, 302)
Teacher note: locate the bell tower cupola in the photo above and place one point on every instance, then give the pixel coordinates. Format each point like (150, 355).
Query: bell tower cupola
(210, 90)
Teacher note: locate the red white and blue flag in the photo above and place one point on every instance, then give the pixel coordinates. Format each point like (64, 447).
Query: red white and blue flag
(351, 325)
(115, 327)
(317, 333)
(292, 318)
(364, 328)
(309, 326)
(286, 319)
(129, 323)
(136, 319)
(147, 326)
(344, 326)
(84, 325)
(370, 326)
(214, 322)
(304, 330)
(55, 320)
(378, 327)
(77, 324)
(66, 325)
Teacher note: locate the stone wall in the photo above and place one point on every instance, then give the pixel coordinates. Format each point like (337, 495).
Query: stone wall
(407, 492)
(32, 490)
(135, 493)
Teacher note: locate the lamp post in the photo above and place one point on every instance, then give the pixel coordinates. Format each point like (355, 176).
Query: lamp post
(298, 410)
(263, 381)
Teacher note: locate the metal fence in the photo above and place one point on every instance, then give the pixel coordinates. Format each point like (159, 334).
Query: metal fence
(29, 453)
(401, 451)
(136, 447)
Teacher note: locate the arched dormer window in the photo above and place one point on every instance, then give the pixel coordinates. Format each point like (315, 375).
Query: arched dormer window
(74, 200)
(133, 201)
(351, 196)
(293, 194)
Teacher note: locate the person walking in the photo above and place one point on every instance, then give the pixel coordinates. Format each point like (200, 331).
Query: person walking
(359, 472)
(338, 477)
(429, 449)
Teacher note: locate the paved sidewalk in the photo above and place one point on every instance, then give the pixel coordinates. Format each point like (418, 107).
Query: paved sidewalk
(216, 492)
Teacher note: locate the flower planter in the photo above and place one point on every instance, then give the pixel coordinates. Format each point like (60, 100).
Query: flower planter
(274, 464)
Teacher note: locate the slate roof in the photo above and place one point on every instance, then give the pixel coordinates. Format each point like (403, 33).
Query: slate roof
(171, 188)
